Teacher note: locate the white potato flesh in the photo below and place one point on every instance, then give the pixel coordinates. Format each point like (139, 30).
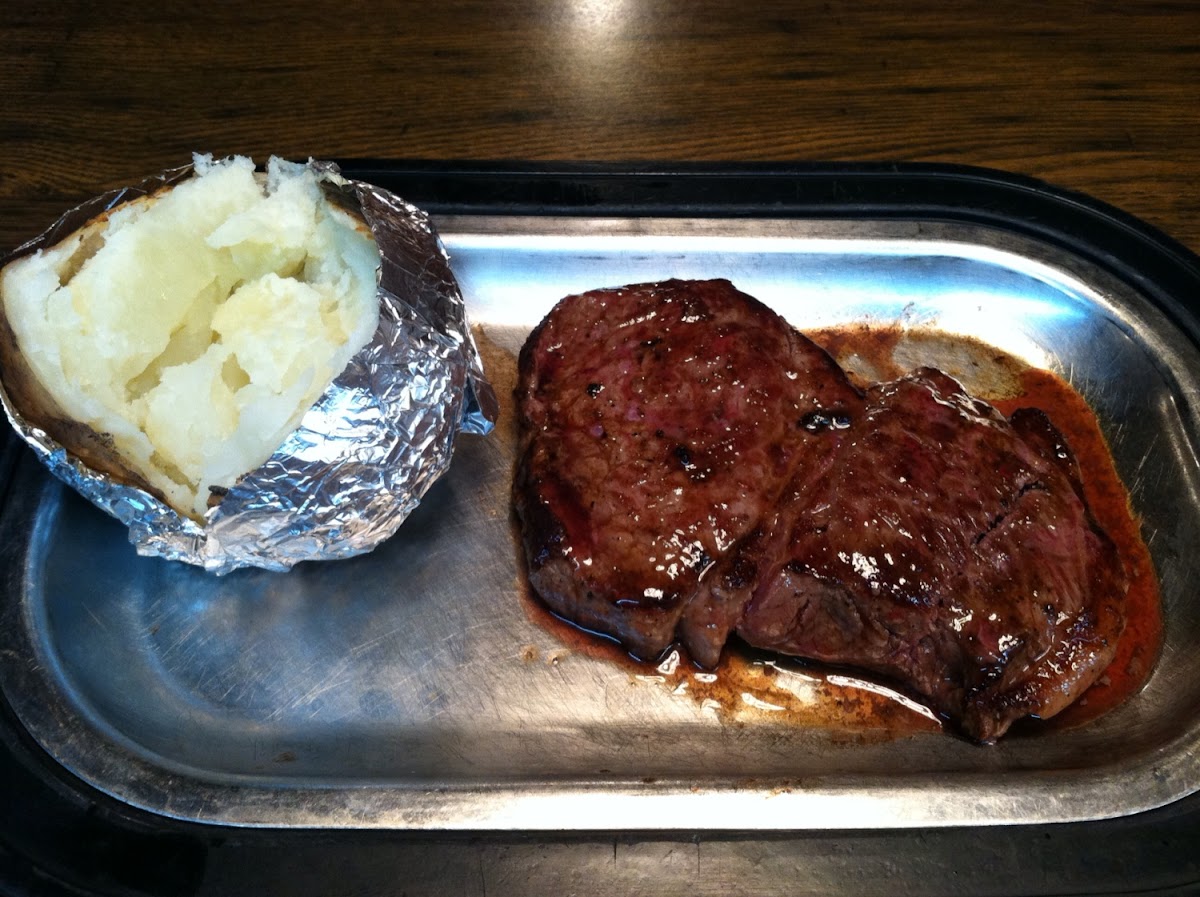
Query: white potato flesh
(197, 326)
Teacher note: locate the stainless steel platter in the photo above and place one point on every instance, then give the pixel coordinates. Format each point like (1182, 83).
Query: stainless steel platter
(415, 688)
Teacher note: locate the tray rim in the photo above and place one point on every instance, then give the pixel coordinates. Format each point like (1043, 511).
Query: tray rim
(1090, 228)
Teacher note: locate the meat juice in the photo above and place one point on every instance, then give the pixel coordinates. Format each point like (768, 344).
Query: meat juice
(750, 685)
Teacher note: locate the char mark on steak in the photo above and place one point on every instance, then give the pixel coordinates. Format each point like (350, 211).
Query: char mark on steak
(691, 467)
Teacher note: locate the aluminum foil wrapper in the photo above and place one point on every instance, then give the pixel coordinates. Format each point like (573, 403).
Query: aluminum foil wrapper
(363, 456)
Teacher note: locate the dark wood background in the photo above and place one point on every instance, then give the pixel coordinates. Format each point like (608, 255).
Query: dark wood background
(1097, 97)
(1102, 98)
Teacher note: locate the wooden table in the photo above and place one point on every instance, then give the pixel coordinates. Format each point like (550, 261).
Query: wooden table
(1102, 98)
(1099, 98)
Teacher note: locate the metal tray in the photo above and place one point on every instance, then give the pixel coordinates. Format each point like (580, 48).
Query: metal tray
(414, 688)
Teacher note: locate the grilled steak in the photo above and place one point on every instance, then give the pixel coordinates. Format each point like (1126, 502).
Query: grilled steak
(949, 549)
(661, 423)
(692, 467)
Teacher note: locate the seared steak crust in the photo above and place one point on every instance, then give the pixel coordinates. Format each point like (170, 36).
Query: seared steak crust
(692, 466)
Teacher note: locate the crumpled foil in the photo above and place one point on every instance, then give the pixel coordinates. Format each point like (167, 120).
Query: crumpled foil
(364, 455)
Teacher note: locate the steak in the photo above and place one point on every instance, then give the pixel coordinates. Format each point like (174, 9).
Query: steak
(949, 549)
(660, 424)
(692, 467)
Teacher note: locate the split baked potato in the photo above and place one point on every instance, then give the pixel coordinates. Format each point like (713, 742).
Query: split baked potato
(173, 343)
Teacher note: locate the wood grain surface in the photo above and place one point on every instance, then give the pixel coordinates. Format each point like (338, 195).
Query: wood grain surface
(1102, 98)
(1097, 97)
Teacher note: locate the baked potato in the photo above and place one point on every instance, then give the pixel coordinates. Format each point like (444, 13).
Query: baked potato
(173, 342)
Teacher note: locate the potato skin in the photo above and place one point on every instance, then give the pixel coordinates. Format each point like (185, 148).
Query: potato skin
(20, 389)
(26, 396)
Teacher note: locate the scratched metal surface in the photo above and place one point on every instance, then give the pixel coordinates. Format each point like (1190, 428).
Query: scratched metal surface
(413, 689)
